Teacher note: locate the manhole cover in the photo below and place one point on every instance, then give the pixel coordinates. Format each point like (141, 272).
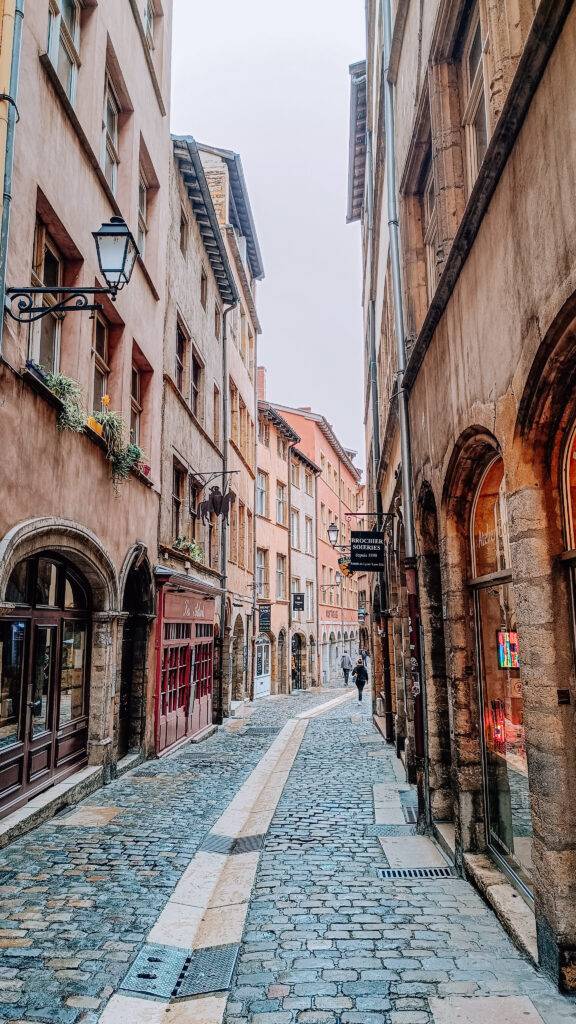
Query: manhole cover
(208, 970)
(416, 873)
(155, 971)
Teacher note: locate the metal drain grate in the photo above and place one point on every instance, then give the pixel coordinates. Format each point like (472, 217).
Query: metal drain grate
(416, 873)
(410, 813)
(248, 844)
(217, 844)
(208, 970)
(390, 830)
(155, 971)
(178, 973)
(261, 730)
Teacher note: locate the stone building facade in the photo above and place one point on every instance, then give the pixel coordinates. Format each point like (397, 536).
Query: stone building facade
(304, 475)
(485, 165)
(225, 177)
(275, 441)
(76, 551)
(337, 502)
(189, 574)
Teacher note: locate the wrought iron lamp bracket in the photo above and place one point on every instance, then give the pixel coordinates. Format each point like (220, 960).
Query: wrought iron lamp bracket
(22, 303)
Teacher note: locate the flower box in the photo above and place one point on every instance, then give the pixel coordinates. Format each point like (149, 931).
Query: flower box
(93, 424)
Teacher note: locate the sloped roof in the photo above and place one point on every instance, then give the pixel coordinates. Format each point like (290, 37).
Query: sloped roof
(328, 431)
(240, 209)
(357, 143)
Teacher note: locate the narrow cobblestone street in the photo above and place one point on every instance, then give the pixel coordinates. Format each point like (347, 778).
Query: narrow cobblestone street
(325, 940)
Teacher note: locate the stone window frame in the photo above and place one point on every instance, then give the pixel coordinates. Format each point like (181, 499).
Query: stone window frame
(474, 94)
(62, 37)
(43, 241)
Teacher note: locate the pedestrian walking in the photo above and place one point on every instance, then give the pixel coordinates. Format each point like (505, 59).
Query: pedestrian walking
(346, 666)
(364, 656)
(360, 677)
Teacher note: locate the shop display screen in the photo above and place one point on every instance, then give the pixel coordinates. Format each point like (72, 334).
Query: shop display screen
(508, 654)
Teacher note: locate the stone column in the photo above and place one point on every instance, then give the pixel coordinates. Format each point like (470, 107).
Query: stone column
(547, 669)
(103, 682)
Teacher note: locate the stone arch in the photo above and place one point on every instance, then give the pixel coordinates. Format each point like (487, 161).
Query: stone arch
(81, 547)
(75, 542)
(438, 705)
(298, 660)
(474, 450)
(137, 596)
(238, 674)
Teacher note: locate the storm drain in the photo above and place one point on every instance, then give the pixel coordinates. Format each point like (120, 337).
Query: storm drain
(410, 813)
(261, 730)
(390, 830)
(416, 873)
(228, 845)
(169, 973)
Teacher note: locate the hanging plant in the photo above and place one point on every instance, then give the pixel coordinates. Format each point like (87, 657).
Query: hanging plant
(190, 547)
(69, 392)
(122, 458)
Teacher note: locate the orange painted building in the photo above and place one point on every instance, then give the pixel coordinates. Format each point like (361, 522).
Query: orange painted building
(338, 490)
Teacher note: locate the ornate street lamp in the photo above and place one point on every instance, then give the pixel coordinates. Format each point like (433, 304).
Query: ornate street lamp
(333, 534)
(116, 251)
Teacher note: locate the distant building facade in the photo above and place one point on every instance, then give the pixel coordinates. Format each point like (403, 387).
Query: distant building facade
(303, 475)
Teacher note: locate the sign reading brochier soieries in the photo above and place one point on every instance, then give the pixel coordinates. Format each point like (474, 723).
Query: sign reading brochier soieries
(367, 552)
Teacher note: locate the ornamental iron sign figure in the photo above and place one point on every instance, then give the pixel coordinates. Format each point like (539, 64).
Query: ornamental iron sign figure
(367, 551)
(217, 503)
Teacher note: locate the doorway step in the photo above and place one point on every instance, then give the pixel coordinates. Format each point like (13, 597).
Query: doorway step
(43, 807)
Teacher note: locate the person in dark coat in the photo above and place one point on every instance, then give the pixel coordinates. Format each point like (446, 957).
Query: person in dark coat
(360, 677)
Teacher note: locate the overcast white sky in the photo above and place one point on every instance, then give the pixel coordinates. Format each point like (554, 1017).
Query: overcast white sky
(270, 81)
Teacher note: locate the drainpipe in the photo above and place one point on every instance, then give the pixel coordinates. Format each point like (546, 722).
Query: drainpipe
(414, 618)
(224, 530)
(9, 161)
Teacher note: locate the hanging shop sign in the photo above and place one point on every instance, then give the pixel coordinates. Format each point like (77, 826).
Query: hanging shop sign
(265, 617)
(367, 553)
(297, 602)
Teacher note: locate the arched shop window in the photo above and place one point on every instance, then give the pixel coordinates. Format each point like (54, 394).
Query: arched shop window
(509, 824)
(44, 647)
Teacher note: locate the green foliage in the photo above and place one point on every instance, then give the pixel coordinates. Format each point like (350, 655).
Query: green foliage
(190, 547)
(122, 457)
(68, 391)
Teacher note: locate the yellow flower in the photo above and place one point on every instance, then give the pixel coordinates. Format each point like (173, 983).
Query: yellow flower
(106, 400)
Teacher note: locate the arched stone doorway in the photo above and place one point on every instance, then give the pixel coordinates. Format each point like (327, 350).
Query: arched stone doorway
(438, 706)
(333, 658)
(312, 662)
(138, 608)
(298, 662)
(58, 604)
(239, 651)
(282, 662)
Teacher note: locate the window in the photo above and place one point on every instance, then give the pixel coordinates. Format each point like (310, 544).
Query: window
(100, 351)
(178, 480)
(47, 271)
(180, 358)
(475, 119)
(183, 232)
(309, 483)
(322, 463)
(280, 577)
(194, 492)
(196, 381)
(234, 417)
(309, 601)
(281, 504)
(261, 493)
(203, 288)
(135, 405)
(323, 522)
(263, 432)
(282, 448)
(217, 321)
(234, 533)
(241, 535)
(295, 528)
(251, 351)
(295, 589)
(109, 156)
(250, 537)
(216, 417)
(331, 591)
(64, 42)
(261, 572)
(430, 228)
(148, 23)
(142, 214)
(295, 474)
(309, 529)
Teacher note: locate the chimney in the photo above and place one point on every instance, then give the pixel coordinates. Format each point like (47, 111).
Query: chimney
(261, 383)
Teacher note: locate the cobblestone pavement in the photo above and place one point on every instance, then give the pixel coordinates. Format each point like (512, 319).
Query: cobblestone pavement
(326, 940)
(329, 942)
(77, 900)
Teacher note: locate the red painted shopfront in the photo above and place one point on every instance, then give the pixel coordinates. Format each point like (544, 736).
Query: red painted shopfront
(185, 664)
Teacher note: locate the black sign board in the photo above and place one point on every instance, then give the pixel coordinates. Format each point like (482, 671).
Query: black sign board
(298, 602)
(265, 617)
(367, 551)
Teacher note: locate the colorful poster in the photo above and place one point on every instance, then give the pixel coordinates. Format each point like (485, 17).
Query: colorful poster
(508, 653)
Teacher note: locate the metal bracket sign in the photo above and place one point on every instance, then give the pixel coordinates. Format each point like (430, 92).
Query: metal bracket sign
(368, 553)
(265, 617)
(297, 602)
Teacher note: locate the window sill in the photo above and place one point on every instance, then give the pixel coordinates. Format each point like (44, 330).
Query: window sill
(180, 556)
